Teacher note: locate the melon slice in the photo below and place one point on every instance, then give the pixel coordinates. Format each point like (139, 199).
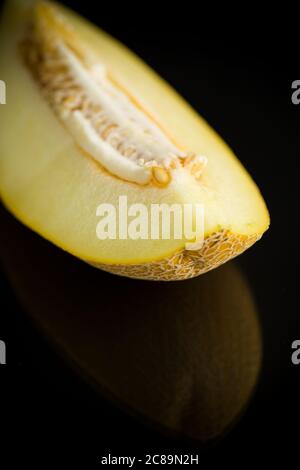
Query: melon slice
(87, 123)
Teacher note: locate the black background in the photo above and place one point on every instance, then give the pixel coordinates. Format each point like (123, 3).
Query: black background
(237, 73)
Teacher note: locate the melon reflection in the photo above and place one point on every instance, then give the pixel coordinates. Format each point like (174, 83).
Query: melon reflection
(185, 355)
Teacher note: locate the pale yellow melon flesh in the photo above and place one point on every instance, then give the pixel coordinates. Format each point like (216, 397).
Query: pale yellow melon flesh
(50, 185)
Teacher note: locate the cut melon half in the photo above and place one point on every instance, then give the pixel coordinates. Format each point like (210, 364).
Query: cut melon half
(87, 123)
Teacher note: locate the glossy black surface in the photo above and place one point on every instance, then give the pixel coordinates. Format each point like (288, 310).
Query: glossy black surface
(241, 83)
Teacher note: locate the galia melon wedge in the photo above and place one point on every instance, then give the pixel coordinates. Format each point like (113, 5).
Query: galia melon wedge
(87, 122)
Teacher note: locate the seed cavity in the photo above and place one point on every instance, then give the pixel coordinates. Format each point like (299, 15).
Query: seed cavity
(103, 119)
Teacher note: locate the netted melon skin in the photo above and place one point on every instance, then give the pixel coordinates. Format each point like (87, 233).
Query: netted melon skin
(217, 249)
